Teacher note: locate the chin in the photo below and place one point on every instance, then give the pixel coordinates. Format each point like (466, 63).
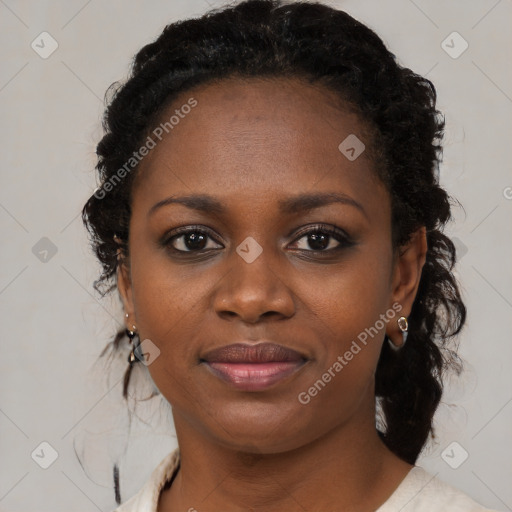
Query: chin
(261, 429)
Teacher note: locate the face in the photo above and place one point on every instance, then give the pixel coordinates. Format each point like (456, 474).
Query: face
(290, 243)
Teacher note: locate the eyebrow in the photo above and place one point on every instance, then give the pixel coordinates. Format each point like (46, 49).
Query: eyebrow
(292, 205)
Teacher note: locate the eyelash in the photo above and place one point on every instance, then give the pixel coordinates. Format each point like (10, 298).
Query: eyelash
(339, 235)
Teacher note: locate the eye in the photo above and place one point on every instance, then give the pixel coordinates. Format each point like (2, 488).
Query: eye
(189, 239)
(322, 239)
(197, 239)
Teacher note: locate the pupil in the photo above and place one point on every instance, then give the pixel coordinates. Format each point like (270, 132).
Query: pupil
(318, 241)
(194, 241)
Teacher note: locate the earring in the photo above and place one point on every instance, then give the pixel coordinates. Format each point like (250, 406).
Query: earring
(403, 325)
(132, 334)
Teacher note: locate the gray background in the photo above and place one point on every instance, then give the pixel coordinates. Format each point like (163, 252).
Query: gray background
(53, 325)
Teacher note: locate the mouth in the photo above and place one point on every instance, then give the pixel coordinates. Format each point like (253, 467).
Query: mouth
(253, 367)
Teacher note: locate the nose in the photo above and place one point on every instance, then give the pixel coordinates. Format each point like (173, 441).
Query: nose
(252, 291)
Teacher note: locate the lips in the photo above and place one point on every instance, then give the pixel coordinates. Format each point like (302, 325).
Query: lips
(245, 353)
(253, 367)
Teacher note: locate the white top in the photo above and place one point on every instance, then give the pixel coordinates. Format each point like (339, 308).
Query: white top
(419, 491)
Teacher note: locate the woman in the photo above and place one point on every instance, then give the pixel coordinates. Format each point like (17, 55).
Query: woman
(270, 213)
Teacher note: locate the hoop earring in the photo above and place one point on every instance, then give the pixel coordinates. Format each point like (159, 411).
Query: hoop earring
(403, 325)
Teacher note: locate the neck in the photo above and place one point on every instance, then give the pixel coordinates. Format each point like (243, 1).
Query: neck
(348, 468)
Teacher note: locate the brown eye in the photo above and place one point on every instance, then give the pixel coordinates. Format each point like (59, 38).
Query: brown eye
(190, 240)
(322, 239)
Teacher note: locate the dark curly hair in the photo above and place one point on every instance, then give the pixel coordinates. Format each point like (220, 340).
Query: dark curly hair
(325, 46)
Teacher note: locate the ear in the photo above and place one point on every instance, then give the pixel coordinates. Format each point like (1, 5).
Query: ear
(407, 271)
(124, 286)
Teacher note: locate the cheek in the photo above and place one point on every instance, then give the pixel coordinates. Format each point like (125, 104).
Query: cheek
(350, 298)
(162, 291)
(348, 311)
(343, 376)
(167, 305)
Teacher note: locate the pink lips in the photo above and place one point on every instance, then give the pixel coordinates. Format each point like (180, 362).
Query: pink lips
(253, 367)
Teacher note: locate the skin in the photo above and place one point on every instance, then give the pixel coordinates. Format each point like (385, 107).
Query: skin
(251, 144)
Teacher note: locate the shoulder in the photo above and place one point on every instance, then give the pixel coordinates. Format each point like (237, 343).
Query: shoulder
(147, 498)
(421, 491)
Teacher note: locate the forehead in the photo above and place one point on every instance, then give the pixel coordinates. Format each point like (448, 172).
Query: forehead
(253, 137)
